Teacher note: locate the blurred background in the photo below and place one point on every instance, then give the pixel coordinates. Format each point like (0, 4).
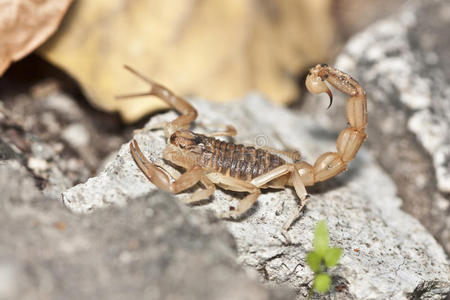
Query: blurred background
(61, 66)
(74, 54)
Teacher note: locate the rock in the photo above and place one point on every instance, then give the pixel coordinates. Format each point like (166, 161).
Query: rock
(38, 165)
(430, 290)
(16, 185)
(32, 132)
(63, 140)
(404, 62)
(6, 152)
(76, 135)
(386, 252)
(156, 248)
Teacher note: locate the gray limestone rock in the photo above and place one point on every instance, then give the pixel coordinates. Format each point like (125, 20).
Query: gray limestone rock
(386, 252)
(156, 248)
(404, 64)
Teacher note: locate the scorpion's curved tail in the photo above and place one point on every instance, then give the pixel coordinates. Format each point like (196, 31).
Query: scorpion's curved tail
(350, 139)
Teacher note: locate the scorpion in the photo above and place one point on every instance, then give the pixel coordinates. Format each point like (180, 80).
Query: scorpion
(210, 161)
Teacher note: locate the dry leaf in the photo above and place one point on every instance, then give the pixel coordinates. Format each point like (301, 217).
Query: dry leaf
(219, 50)
(25, 25)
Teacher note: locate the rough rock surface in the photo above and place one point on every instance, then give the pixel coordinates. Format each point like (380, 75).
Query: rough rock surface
(387, 253)
(156, 248)
(404, 64)
(57, 138)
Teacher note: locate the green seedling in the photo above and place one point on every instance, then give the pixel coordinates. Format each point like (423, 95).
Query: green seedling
(322, 258)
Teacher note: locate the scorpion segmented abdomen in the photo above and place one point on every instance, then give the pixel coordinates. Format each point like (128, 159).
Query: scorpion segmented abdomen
(227, 158)
(221, 157)
(236, 160)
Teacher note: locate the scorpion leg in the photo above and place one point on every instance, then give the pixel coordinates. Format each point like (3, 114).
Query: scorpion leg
(261, 180)
(299, 187)
(228, 131)
(301, 192)
(160, 178)
(187, 111)
(237, 185)
(203, 193)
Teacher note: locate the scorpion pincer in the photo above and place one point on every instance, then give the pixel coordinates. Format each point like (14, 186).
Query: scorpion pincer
(210, 161)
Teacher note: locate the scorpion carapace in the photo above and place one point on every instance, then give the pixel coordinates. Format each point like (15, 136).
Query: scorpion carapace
(211, 162)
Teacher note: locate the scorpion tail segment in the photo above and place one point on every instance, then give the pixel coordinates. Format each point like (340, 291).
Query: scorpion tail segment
(315, 83)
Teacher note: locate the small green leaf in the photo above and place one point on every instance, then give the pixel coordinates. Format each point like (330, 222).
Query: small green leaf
(313, 259)
(322, 282)
(321, 238)
(332, 256)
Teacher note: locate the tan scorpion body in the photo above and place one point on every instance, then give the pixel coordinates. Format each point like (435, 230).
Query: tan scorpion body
(211, 162)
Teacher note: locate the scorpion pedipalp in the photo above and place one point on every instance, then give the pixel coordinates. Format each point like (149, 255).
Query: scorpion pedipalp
(187, 111)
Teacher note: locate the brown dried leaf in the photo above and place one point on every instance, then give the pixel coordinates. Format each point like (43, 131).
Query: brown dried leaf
(220, 50)
(25, 25)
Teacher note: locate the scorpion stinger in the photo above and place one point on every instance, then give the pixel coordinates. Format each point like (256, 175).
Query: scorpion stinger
(240, 168)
